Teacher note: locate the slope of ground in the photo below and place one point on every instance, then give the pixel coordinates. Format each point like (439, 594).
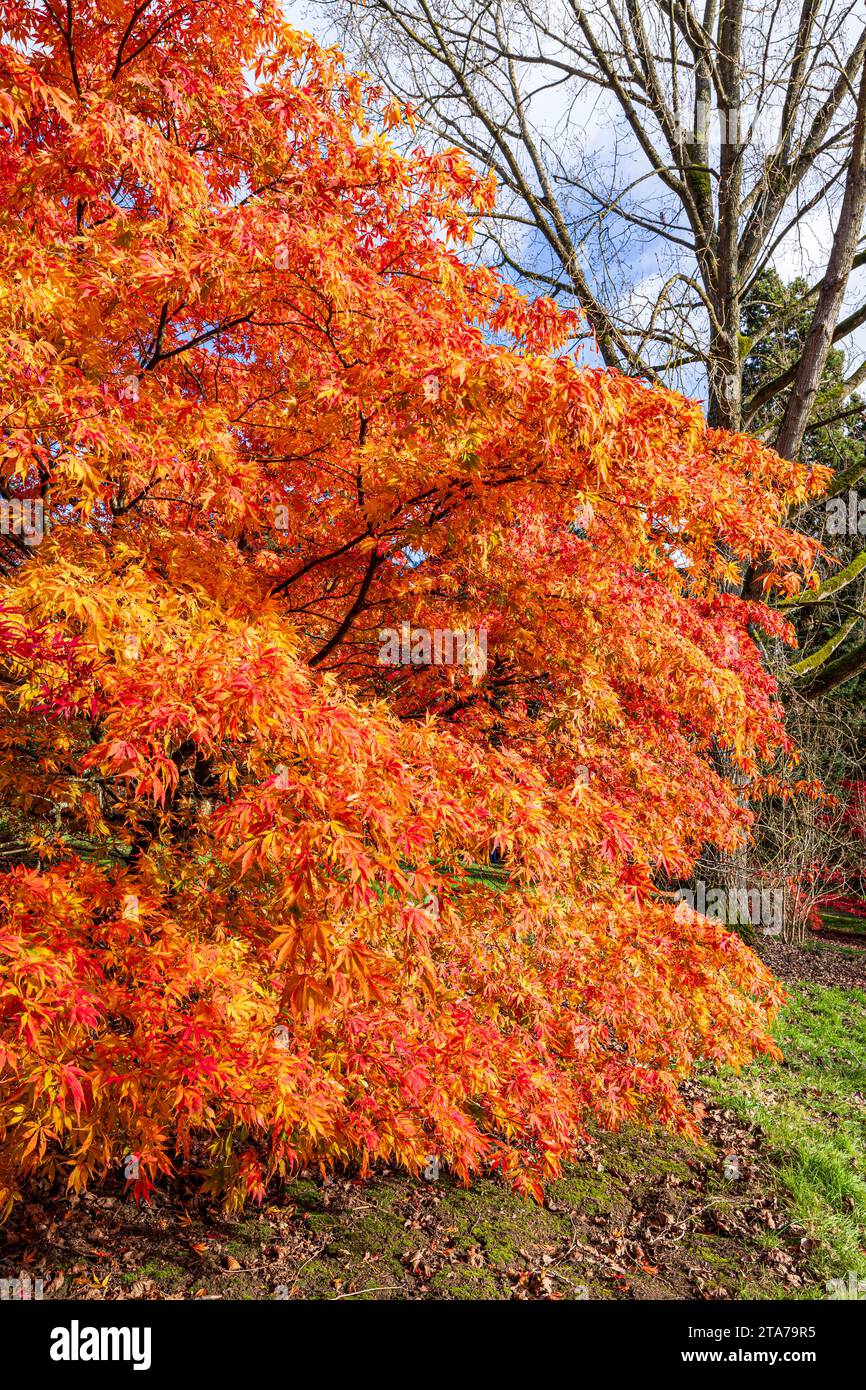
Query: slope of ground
(812, 1106)
(772, 1206)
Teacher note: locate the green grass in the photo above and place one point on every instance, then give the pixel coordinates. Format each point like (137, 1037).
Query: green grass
(844, 921)
(812, 1108)
(169, 1275)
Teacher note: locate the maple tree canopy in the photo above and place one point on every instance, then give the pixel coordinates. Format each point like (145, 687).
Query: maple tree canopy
(259, 408)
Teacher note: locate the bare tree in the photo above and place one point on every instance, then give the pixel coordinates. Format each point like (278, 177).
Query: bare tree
(634, 132)
(806, 847)
(655, 162)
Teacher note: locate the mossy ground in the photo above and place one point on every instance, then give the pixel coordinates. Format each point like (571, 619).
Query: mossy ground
(636, 1217)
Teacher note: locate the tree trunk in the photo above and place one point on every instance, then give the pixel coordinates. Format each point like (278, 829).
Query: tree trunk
(820, 339)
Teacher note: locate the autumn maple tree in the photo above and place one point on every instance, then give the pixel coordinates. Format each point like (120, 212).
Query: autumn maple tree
(259, 405)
